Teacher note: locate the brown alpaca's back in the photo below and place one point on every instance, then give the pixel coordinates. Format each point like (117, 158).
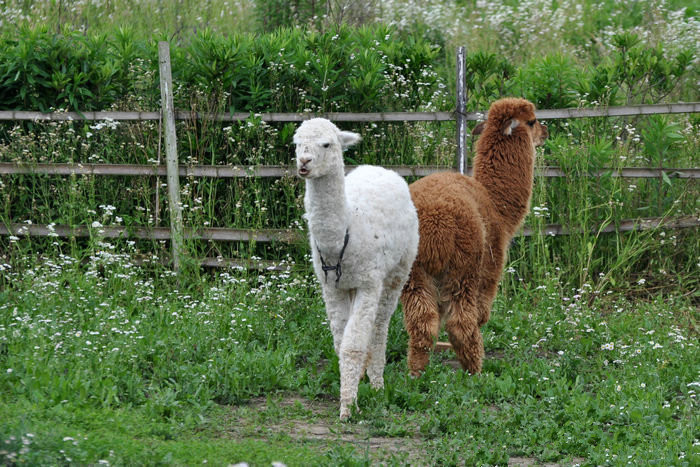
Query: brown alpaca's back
(455, 214)
(465, 224)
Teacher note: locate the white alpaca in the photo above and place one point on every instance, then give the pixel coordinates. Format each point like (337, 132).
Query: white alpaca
(363, 231)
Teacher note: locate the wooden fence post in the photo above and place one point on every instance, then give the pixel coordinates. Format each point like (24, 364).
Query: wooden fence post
(461, 111)
(166, 96)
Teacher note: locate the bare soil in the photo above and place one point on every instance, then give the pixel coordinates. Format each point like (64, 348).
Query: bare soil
(306, 420)
(317, 420)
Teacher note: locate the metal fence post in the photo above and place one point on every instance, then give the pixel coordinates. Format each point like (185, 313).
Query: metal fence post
(166, 95)
(461, 112)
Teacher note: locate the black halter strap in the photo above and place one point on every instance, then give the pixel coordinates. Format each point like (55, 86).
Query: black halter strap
(337, 268)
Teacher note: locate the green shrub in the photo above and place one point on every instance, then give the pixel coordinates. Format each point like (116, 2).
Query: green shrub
(549, 82)
(41, 70)
(289, 70)
(643, 74)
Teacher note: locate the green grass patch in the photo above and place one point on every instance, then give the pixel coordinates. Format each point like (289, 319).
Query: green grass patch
(111, 363)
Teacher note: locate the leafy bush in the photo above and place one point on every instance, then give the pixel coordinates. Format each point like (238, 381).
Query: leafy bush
(490, 76)
(290, 70)
(41, 70)
(365, 69)
(549, 82)
(641, 73)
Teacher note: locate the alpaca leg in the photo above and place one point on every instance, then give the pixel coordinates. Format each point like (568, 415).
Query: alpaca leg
(421, 318)
(488, 294)
(355, 345)
(377, 350)
(465, 336)
(376, 360)
(338, 306)
(492, 267)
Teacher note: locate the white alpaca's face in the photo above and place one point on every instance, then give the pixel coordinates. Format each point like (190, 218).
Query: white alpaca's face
(319, 147)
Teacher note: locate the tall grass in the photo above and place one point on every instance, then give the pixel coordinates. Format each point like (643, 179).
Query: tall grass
(147, 17)
(580, 202)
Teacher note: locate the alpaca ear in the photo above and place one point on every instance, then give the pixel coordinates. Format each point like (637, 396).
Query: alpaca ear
(479, 129)
(348, 138)
(510, 126)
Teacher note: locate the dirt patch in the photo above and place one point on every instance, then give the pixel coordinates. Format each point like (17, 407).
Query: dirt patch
(317, 420)
(299, 419)
(530, 462)
(359, 437)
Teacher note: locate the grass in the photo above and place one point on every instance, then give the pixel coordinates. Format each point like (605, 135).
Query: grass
(145, 16)
(106, 363)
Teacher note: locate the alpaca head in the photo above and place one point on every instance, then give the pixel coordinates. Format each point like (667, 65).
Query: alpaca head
(319, 147)
(511, 116)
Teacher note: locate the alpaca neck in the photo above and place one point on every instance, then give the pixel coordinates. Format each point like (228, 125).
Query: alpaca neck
(507, 176)
(327, 213)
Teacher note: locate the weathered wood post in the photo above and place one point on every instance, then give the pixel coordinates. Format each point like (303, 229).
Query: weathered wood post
(461, 111)
(168, 112)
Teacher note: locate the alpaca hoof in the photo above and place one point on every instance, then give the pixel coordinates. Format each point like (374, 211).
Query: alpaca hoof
(472, 370)
(344, 414)
(377, 384)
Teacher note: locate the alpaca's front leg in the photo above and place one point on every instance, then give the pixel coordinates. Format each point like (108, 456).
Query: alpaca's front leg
(355, 344)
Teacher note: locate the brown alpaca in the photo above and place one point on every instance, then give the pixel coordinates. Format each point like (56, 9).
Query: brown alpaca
(465, 225)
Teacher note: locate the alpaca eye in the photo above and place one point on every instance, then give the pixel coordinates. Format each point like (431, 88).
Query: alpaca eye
(532, 122)
(326, 145)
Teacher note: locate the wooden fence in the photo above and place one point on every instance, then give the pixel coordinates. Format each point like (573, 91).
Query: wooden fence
(177, 232)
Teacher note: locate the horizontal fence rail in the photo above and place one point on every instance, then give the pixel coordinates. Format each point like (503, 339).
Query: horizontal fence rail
(294, 236)
(629, 225)
(151, 233)
(215, 171)
(554, 114)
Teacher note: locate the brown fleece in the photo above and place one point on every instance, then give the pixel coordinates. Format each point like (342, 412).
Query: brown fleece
(465, 225)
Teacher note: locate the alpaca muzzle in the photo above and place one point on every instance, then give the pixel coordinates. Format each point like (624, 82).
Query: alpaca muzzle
(542, 136)
(302, 167)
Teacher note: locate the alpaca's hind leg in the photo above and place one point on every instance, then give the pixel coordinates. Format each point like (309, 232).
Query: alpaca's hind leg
(462, 327)
(355, 345)
(491, 270)
(489, 288)
(421, 318)
(338, 307)
(377, 350)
